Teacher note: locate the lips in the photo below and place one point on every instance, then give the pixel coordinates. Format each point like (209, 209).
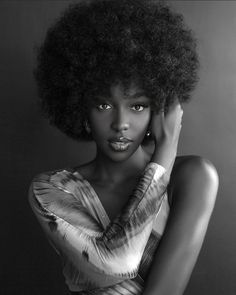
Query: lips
(120, 139)
(119, 144)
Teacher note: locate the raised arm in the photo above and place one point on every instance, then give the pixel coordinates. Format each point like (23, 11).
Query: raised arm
(117, 251)
(193, 186)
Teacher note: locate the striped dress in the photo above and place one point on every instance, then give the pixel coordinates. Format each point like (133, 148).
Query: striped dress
(101, 256)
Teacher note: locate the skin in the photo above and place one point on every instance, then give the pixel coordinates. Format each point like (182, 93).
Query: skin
(113, 175)
(121, 114)
(194, 185)
(192, 188)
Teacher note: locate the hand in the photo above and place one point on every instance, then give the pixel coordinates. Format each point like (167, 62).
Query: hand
(166, 130)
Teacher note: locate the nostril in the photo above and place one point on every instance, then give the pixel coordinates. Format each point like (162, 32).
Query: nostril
(120, 126)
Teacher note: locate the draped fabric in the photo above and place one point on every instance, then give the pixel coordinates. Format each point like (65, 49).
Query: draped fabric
(100, 256)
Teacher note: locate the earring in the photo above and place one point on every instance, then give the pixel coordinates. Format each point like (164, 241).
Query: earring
(148, 133)
(87, 127)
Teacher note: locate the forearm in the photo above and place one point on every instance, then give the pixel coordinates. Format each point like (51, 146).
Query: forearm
(177, 253)
(174, 259)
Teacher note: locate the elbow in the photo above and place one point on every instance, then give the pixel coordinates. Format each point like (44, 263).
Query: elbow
(198, 178)
(209, 180)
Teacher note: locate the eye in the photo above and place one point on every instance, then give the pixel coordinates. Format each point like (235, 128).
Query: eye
(139, 107)
(103, 106)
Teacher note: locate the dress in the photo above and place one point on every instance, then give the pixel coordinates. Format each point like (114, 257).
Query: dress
(100, 256)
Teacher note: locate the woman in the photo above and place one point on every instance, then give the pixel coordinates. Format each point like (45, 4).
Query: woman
(117, 72)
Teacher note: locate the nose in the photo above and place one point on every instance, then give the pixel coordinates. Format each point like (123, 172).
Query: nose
(120, 121)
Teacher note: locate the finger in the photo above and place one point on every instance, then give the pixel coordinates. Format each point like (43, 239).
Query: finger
(175, 105)
(162, 116)
(157, 122)
(157, 117)
(162, 119)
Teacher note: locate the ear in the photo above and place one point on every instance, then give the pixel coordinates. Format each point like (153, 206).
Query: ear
(87, 127)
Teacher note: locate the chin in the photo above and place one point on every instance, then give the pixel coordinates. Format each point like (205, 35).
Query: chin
(119, 157)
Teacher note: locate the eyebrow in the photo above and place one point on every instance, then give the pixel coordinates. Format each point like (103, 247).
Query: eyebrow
(97, 99)
(100, 98)
(138, 94)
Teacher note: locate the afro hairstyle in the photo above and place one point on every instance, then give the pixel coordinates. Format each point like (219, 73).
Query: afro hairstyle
(95, 43)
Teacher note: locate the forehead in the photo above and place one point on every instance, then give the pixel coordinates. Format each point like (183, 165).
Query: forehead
(127, 91)
(120, 91)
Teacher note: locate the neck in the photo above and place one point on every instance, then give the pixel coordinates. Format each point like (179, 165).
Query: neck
(108, 170)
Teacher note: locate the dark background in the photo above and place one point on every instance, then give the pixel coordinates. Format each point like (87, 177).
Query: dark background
(29, 145)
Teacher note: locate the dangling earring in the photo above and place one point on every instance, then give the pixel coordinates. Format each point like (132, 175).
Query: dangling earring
(148, 133)
(87, 127)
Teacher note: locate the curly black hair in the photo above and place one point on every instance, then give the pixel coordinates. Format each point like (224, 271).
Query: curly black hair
(95, 43)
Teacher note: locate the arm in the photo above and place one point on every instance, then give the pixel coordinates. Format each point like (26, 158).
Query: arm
(194, 183)
(117, 251)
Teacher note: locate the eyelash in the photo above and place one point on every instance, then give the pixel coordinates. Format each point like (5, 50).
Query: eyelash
(143, 106)
(100, 107)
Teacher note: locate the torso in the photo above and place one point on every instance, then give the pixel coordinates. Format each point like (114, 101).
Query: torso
(113, 196)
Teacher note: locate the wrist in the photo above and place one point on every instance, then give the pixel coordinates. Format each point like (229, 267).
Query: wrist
(164, 155)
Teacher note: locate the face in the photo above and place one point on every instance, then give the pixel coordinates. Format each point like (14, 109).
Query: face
(119, 122)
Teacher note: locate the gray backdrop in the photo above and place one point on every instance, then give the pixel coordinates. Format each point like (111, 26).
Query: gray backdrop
(29, 146)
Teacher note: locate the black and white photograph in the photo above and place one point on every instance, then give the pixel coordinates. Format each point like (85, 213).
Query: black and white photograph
(118, 144)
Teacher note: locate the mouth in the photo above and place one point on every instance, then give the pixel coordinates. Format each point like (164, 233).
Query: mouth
(119, 144)
(121, 139)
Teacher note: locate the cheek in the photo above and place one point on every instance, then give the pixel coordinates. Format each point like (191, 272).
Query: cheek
(143, 123)
(98, 126)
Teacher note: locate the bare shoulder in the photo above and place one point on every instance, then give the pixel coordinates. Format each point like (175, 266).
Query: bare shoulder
(193, 164)
(193, 171)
